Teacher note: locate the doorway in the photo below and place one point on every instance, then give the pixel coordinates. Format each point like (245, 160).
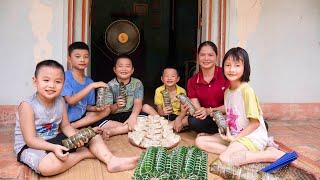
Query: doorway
(168, 36)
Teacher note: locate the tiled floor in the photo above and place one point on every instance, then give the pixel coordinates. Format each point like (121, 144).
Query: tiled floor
(302, 136)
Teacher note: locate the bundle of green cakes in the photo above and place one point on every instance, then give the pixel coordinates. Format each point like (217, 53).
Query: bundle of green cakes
(182, 163)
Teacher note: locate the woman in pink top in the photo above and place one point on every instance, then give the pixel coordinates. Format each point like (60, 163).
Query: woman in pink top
(206, 89)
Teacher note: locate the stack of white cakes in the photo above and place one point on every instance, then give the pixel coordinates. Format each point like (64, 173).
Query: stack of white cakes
(153, 131)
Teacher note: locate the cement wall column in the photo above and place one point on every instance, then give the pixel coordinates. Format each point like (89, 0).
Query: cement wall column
(79, 22)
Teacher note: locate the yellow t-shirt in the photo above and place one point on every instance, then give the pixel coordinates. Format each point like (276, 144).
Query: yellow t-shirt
(158, 98)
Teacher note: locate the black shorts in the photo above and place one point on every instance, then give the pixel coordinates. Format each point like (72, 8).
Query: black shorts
(171, 117)
(119, 117)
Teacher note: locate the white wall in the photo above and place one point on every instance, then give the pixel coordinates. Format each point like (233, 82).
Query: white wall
(31, 30)
(283, 42)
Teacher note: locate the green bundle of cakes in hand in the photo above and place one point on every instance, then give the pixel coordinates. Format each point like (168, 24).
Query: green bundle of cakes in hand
(220, 121)
(185, 100)
(166, 99)
(83, 135)
(122, 92)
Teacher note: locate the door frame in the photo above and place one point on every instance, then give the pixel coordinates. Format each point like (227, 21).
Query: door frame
(212, 23)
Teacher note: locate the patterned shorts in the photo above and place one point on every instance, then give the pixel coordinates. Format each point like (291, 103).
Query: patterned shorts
(32, 157)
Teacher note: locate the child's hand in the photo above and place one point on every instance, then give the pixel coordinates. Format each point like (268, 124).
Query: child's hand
(167, 110)
(228, 137)
(80, 144)
(177, 125)
(201, 113)
(120, 102)
(101, 108)
(58, 151)
(130, 122)
(73, 124)
(98, 130)
(98, 84)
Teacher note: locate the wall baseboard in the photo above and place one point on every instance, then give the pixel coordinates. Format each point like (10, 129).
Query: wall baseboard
(291, 111)
(271, 111)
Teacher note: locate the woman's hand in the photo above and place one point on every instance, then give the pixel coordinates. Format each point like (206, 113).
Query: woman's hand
(209, 111)
(177, 124)
(184, 108)
(200, 113)
(58, 151)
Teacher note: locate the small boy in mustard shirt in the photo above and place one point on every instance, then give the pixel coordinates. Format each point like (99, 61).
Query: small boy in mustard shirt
(170, 77)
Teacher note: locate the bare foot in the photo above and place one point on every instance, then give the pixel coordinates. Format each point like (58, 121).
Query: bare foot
(300, 165)
(276, 153)
(117, 164)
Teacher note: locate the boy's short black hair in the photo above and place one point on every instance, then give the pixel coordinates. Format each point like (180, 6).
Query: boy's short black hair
(48, 63)
(124, 56)
(171, 67)
(239, 54)
(77, 45)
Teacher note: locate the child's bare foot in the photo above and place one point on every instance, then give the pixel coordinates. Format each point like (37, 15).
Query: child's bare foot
(117, 164)
(274, 152)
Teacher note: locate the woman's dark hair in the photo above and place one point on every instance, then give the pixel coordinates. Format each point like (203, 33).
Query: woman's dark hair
(208, 43)
(48, 63)
(239, 54)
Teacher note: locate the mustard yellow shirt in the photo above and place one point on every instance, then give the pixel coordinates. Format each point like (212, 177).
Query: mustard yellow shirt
(158, 98)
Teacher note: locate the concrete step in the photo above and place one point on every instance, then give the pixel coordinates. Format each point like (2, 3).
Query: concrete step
(9, 167)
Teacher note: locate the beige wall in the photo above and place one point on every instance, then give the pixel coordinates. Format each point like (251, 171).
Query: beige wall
(282, 38)
(31, 30)
(283, 42)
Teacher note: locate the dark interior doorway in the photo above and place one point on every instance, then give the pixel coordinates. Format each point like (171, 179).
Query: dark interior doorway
(168, 33)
